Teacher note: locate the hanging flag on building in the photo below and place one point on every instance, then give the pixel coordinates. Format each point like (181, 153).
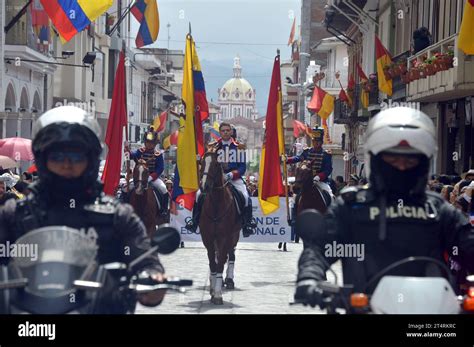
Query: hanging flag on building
(73, 16)
(299, 129)
(146, 13)
(114, 135)
(321, 103)
(186, 181)
(171, 139)
(327, 138)
(383, 58)
(270, 184)
(291, 39)
(466, 37)
(40, 23)
(159, 122)
(344, 97)
(364, 95)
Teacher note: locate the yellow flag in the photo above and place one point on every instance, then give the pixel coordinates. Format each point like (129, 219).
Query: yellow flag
(187, 155)
(466, 37)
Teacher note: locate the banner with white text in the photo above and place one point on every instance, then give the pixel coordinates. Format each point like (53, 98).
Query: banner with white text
(271, 228)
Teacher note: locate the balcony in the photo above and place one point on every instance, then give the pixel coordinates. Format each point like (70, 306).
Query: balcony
(24, 33)
(342, 113)
(26, 41)
(456, 82)
(398, 87)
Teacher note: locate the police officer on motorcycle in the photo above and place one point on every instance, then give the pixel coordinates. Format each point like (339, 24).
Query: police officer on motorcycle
(392, 218)
(67, 151)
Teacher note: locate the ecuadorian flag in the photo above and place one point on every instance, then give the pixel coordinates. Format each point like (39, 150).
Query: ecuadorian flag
(146, 12)
(72, 16)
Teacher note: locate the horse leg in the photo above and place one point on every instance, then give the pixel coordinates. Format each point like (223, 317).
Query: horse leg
(229, 278)
(217, 297)
(212, 267)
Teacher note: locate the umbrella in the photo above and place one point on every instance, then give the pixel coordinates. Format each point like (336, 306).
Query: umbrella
(7, 163)
(16, 148)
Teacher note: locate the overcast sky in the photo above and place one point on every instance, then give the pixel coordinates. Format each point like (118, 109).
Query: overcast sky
(253, 29)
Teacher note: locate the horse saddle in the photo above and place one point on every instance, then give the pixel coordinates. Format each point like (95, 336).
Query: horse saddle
(238, 198)
(158, 196)
(327, 197)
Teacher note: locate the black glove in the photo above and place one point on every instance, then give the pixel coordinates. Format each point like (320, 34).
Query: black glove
(308, 293)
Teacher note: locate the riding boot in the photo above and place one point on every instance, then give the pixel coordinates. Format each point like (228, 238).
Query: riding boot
(164, 204)
(193, 223)
(292, 220)
(249, 223)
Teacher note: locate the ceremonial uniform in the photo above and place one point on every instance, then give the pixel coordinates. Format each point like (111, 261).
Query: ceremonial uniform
(231, 155)
(321, 161)
(155, 165)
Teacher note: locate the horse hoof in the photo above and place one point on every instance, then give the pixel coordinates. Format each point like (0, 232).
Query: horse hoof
(229, 283)
(217, 301)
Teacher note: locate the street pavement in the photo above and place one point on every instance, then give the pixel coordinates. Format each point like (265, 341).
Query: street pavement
(264, 281)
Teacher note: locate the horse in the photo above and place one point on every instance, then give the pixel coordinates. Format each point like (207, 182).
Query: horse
(142, 198)
(219, 224)
(310, 194)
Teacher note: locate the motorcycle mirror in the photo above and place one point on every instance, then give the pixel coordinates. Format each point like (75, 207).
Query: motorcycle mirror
(166, 239)
(309, 224)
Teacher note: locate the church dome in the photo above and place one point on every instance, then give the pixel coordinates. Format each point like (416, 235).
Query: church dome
(237, 88)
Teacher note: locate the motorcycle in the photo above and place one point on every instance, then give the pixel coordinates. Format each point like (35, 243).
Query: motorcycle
(54, 271)
(392, 294)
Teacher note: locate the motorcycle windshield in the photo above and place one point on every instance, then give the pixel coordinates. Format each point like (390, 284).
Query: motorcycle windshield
(52, 258)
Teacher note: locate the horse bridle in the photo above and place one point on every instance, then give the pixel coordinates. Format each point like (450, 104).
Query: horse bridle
(206, 174)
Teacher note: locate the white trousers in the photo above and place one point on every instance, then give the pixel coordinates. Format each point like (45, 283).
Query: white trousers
(327, 188)
(158, 184)
(240, 186)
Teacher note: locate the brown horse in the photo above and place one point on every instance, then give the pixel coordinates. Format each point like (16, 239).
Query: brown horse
(143, 200)
(311, 196)
(220, 224)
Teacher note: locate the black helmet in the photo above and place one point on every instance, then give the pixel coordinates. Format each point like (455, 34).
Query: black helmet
(150, 135)
(67, 126)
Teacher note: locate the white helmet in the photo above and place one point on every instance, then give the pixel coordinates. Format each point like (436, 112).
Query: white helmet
(401, 130)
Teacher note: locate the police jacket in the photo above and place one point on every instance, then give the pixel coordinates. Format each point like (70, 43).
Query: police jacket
(425, 226)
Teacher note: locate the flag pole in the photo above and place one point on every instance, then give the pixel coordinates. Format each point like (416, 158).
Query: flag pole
(121, 18)
(285, 167)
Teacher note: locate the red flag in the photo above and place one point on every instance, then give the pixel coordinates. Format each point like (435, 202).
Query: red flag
(291, 39)
(321, 103)
(351, 84)
(362, 75)
(298, 127)
(114, 136)
(270, 185)
(343, 96)
(160, 121)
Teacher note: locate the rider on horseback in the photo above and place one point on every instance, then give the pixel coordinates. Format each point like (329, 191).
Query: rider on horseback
(228, 148)
(155, 164)
(321, 160)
